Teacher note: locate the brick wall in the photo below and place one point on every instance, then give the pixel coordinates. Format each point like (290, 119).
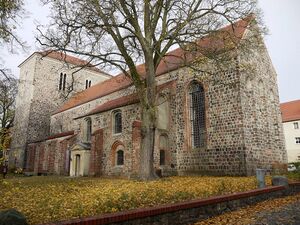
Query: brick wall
(96, 153)
(188, 212)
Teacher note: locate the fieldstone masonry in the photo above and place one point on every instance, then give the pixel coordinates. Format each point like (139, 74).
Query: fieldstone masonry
(243, 129)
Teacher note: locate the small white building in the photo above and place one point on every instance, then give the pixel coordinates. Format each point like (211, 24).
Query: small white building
(291, 126)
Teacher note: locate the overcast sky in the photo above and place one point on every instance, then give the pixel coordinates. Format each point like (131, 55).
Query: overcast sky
(282, 17)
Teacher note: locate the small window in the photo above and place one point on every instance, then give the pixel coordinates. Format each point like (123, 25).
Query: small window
(297, 140)
(162, 157)
(64, 82)
(88, 83)
(296, 125)
(117, 124)
(120, 157)
(60, 81)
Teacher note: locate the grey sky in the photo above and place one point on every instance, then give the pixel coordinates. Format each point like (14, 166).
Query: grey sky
(282, 17)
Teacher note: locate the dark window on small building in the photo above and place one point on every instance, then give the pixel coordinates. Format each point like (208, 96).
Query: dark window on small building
(88, 129)
(120, 157)
(197, 114)
(162, 157)
(296, 125)
(297, 140)
(117, 116)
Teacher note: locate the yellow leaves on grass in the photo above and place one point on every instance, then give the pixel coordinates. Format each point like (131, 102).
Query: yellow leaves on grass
(45, 199)
(248, 214)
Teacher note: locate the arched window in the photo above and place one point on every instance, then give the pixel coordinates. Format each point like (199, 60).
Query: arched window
(197, 114)
(88, 134)
(117, 122)
(90, 83)
(261, 88)
(120, 157)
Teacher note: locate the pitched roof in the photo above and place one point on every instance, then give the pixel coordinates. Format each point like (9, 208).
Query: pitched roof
(122, 101)
(290, 111)
(59, 135)
(72, 60)
(172, 61)
(68, 59)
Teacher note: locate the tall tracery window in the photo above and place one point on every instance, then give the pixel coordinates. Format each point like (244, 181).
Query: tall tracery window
(197, 114)
(88, 134)
(117, 122)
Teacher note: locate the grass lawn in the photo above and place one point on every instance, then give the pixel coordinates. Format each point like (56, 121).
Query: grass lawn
(45, 199)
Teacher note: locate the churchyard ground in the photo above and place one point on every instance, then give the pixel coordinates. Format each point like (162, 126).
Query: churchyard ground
(51, 198)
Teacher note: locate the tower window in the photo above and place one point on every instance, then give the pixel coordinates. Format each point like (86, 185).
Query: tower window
(62, 81)
(120, 157)
(197, 115)
(88, 83)
(117, 122)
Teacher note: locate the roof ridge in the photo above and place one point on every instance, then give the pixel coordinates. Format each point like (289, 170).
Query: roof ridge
(168, 64)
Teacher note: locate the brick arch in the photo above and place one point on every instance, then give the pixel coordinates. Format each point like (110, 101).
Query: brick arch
(113, 152)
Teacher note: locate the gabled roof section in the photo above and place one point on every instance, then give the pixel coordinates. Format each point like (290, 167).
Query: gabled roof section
(68, 59)
(123, 101)
(172, 61)
(290, 111)
(59, 135)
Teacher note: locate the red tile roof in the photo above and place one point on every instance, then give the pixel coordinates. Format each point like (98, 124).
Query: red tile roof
(123, 101)
(290, 111)
(59, 135)
(172, 61)
(71, 59)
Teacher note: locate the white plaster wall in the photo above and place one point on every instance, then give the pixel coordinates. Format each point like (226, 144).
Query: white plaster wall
(290, 133)
(84, 162)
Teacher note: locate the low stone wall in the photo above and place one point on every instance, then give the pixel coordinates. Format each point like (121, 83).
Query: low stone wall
(187, 212)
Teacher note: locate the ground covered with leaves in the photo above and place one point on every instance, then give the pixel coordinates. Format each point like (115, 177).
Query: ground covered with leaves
(45, 199)
(284, 210)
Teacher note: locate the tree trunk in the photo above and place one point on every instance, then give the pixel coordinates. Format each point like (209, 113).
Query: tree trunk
(147, 171)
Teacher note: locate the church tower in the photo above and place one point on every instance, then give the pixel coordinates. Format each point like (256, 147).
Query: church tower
(47, 79)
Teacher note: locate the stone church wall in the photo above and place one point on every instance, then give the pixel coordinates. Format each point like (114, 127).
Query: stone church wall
(264, 141)
(39, 96)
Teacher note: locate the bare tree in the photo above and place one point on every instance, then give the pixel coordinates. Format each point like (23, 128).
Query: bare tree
(121, 34)
(8, 92)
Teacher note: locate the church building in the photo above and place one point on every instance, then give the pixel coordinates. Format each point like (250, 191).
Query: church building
(76, 120)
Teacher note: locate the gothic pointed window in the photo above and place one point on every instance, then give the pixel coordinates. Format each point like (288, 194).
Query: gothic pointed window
(117, 122)
(197, 114)
(120, 157)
